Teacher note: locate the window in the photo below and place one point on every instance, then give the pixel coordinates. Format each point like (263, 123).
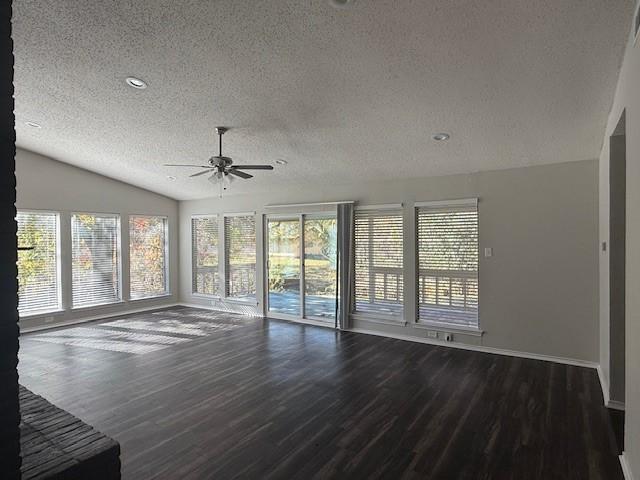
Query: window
(147, 256)
(240, 256)
(378, 261)
(204, 238)
(39, 267)
(95, 259)
(448, 262)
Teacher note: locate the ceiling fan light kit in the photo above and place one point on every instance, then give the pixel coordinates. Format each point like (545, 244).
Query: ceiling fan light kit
(223, 169)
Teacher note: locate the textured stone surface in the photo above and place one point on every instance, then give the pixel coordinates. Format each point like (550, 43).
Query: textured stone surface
(55, 444)
(9, 411)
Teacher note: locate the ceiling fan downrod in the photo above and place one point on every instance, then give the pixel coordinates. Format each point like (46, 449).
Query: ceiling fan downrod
(220, 131)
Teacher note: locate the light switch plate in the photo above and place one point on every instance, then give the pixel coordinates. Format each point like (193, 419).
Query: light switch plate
(488, 252)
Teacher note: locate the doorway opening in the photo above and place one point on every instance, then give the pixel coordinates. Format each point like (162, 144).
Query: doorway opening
(617, 258)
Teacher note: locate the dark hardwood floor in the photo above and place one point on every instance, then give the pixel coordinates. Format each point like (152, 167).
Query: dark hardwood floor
(194, 394)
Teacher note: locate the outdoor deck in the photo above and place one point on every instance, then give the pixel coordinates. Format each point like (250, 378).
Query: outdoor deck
(321, 307)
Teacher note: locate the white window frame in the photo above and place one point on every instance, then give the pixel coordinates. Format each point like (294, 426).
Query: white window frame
(167, 279)
(194, 268)
(445, 326)
(378, 317)
(119, 262)
(59, 280)
(222, 254)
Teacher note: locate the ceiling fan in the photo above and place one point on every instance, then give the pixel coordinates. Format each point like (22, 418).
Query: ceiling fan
(223, 169)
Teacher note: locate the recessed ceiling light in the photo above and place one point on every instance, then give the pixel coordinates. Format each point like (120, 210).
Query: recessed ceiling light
(340, 3)
(136, 83)
(171, 178)
(441, 137)
(33, 124)
(281, 161)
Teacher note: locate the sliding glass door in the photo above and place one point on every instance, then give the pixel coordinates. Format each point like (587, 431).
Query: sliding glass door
(284, 266)
(320, 267)
(301, 266)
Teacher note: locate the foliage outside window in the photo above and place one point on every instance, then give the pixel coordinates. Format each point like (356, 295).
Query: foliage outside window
(147, 256)
(320, 268)
(38, 267)
(284, 255)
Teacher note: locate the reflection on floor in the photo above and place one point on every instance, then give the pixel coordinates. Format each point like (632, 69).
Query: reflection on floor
(143, 333)
(243, 397)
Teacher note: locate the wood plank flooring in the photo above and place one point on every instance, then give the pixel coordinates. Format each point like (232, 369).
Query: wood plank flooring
(193, 394)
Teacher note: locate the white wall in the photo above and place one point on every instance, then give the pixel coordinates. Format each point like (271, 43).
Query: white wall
(627, 99)
(538, 293)
(45, 184)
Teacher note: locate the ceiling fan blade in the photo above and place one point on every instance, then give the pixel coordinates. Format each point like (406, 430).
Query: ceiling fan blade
(183, 165)
(254, 167)
(240, 174)
(201, 173)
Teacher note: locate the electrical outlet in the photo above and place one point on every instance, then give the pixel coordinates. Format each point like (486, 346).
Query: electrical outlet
(432, 334)
(448, 337)
(48, 319)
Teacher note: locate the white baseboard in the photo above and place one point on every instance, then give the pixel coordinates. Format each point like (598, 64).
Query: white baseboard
(481, 348)
(410, 338)
(92, 318)
(626, 469)
(604, 385)
(615, 405)
(478, 348)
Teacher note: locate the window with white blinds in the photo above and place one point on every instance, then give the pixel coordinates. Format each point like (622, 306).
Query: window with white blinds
(38, 267)
(240, 256)
(95, 259)
(147, 256)
(448, 262)
(204, 241)
(378, 261)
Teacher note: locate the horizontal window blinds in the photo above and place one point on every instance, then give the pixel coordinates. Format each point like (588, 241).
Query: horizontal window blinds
(204, 237)
(378, 261)
(448, 263)
(240, 256)
(38, 268)
(95, 262)
(147, 256)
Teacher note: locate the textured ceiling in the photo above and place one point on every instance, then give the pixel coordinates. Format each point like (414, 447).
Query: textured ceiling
(343, 95)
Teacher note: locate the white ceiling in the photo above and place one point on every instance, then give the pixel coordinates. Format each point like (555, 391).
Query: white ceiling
(344, 95)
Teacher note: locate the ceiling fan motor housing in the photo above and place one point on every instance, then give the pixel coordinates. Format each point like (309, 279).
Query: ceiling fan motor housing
(222, 166)
(220, 161)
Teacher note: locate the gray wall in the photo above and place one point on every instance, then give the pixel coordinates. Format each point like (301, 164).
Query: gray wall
(45, 184)
(538, 293)
(627, 99)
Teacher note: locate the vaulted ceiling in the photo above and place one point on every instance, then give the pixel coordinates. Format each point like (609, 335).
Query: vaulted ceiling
(343, 95)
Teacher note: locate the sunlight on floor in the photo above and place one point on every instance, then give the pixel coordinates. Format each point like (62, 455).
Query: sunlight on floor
(141, 335)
